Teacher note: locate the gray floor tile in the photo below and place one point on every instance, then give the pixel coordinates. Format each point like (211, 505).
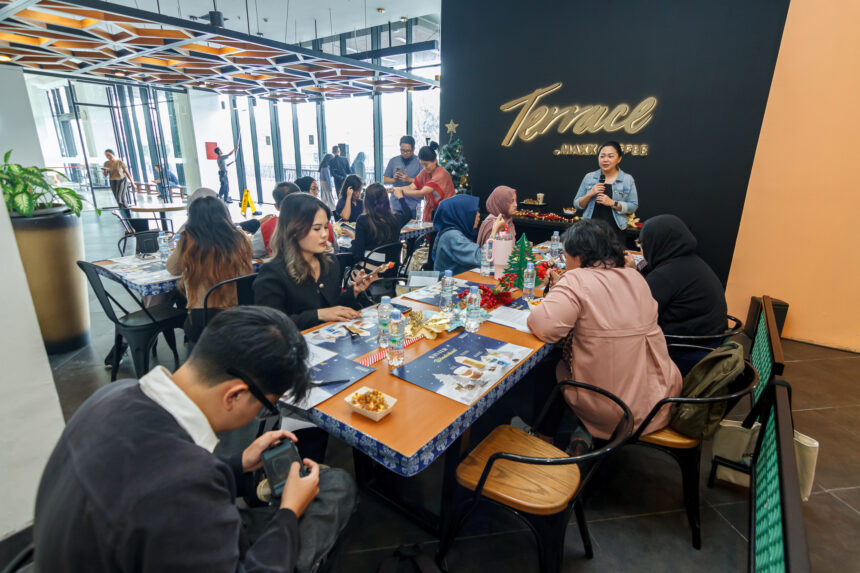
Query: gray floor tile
(838, 436)
(822, 383)
(831, 533)
(795, 350)
(850, 496)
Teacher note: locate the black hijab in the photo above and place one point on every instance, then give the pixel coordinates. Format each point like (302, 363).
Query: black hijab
(665, 237)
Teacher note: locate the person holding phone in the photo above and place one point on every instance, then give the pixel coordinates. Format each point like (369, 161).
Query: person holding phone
(133, 484)
(401, 171)
(608, 194)
(350, 205)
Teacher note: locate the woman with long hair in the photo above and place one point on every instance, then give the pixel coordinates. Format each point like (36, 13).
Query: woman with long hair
(349, 204)
(302, 280)
(378, 226)
(211, 249)
(502, 203)
(605, 317)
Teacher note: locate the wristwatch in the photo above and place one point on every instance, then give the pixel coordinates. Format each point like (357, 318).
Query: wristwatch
(616, 204)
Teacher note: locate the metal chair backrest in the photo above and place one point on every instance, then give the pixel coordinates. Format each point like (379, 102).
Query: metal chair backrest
(244, 293)
(732, 330)
(126, 225)
(145, 242)
(391, 252)
(619, 435)
(104, 297)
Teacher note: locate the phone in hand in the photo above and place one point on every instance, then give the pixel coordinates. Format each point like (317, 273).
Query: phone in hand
(277, 462)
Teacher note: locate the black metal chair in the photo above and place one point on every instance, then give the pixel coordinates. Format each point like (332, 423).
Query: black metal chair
(22, 562)
(138, 224)
(244, 293)
(704, 339)
(145, 242)
(687, 451)
(141, 328)
(538, 482)
(685, 356)
(385, 285)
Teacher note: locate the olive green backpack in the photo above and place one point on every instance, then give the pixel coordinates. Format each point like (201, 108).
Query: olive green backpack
(709, 378)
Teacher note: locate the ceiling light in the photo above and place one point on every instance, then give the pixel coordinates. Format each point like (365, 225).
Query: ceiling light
(381, 10)
(404, 19)
(5, 58)
(120, 74)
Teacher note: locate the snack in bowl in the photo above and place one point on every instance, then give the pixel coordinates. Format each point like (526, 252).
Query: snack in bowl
(370, 403)
(569, 211)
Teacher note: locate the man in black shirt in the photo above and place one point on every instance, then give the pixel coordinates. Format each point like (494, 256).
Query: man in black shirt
(340, 169)
(132, 484)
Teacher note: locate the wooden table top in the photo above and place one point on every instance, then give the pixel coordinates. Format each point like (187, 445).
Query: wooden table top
(419, 415)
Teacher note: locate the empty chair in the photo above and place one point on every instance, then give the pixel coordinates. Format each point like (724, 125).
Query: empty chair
(140, 328)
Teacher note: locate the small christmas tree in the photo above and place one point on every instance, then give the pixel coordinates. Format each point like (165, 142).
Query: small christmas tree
(521, 256)
(451, 158)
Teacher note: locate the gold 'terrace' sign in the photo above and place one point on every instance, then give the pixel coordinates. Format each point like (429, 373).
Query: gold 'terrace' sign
(535, 120)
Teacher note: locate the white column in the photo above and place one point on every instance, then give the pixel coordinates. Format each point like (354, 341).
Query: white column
(16, 120)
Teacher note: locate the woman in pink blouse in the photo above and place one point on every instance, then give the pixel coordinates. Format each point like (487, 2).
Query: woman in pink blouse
(607, 318)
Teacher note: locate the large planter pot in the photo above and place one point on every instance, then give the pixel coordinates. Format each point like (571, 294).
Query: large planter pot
(50, 243)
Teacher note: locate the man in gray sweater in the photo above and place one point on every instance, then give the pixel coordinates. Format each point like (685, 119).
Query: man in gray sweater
(132, 484)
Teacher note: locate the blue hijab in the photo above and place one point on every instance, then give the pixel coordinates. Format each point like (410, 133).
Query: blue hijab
(457, 212)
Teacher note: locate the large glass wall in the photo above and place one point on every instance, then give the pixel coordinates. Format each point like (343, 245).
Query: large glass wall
(393, 126)
(349, 121)
(265, 149)
(308, 142)
(288, 142)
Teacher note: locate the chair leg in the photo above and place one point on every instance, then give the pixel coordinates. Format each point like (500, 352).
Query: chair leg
(170, 337)
(549, 531)
(117, 355)
(140, 345)
(712, 476)
(583, 528)
(689, 460)
(452, 529)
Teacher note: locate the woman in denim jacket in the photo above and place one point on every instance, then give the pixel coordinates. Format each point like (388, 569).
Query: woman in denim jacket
(608, 194)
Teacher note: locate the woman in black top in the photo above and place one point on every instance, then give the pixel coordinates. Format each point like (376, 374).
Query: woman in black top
(690, 297)
(301, 279)
(378, 226)
(349, 205)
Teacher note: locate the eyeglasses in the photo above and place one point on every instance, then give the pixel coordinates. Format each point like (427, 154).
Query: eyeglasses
(256, 392)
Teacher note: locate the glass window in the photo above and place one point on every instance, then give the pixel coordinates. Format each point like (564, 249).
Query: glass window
(288, 142)
(425, 112)
(246, 149)
(225, 141)
(393, 126)
(350, 121)
(263, 121)
(307, 115)
(86, 92)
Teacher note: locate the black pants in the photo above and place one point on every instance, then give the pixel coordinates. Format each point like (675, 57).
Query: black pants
(224, 190)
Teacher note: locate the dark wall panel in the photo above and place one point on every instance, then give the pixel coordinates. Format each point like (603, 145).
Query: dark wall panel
(709, 64)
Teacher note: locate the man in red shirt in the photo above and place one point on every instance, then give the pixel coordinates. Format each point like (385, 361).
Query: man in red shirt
(434, 183)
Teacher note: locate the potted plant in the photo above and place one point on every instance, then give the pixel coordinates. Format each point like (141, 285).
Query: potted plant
(46, 221)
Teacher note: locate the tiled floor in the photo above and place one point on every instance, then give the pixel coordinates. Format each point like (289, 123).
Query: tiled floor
(634, 508)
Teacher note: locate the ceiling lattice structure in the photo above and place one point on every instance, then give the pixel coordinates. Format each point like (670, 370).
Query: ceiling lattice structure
(91, 38)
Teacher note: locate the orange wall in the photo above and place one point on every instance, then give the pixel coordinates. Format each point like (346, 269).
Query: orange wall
(799, 237)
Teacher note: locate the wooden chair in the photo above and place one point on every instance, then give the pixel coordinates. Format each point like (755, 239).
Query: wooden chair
(688, 451)
(538, 482)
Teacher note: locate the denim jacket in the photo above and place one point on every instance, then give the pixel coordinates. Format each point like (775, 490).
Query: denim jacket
(623, 191)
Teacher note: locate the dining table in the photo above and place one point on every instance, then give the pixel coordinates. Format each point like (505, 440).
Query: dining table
(424, 425)
(161, 209)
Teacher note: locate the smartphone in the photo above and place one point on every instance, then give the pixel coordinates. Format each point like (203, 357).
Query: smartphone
(277, 462)
(402, 307)
(398, 170)
(607, 189)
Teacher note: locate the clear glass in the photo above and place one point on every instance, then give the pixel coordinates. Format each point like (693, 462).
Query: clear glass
(350, 121)
(425, 116)
(225, 141)
(246, 149)
(307, 116)
(288, 142)
(86, 92)
(98, 134)
(473, 311)
(265, 149)
(393, 126)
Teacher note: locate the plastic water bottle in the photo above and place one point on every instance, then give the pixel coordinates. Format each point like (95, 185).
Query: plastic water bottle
(163, 246)
(395, 332)
(447, 293)
(555, 246)
(529, 281)
(473, 310)
(486, 255)
(419, 211)
(383, 314)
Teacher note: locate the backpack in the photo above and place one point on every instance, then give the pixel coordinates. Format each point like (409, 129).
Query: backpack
(709, 378)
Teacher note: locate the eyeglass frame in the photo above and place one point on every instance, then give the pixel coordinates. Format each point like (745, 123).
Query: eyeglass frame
(256, 392)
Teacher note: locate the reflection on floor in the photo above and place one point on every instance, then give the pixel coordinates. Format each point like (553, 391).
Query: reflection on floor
(635, 510)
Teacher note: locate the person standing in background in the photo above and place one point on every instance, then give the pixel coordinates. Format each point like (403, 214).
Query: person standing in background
(433, 184)
(339, 167)
(117, 173)
(358, 166)
(224, 189)
(401, 171)
(328, 189)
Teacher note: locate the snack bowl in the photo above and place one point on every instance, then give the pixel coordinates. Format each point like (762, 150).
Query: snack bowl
(372, 414)
(569, 211)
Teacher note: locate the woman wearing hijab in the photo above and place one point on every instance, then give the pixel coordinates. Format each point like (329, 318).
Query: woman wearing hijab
(358, 166)
(690, 297)
(501, 203)
(455, 223)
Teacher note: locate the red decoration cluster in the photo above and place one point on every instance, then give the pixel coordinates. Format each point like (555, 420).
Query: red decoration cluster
(552, 217)
(492, 297)
(542, 269)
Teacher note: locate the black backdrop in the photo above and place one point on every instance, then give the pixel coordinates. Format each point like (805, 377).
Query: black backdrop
(709, 64)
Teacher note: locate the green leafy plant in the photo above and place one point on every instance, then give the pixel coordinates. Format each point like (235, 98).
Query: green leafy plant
(25, 189)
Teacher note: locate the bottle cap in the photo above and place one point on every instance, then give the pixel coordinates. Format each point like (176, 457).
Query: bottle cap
(386, 300)
(448, 273)
(473, 289)
(530, 266)
(555, 233)
(395, 314)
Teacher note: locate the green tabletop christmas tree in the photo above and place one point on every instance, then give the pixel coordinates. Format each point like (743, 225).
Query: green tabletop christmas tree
(521, 256)
(451, 158)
